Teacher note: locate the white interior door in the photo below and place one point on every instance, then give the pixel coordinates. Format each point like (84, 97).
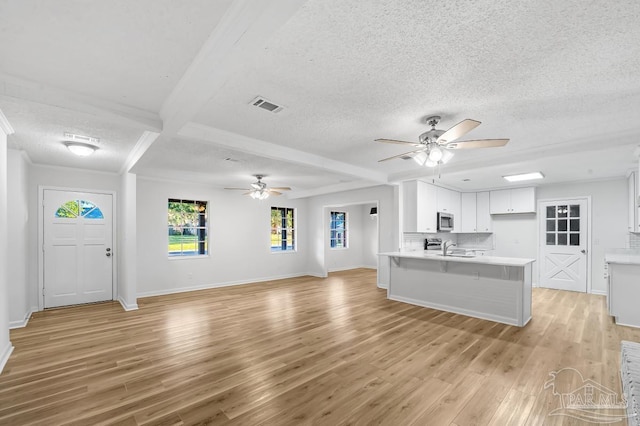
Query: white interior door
(78, 250)
(563, 245)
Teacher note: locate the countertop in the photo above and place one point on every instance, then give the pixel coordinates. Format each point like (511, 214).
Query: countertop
(486, 260)
(625, 256)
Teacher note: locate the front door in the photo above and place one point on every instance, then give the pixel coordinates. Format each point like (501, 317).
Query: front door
(563, 245)
(78, 250)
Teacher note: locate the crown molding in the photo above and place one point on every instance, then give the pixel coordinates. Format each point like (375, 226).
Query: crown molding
(5, 126)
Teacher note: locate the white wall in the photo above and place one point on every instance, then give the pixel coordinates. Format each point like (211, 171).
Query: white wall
(239, 240)
(61, 177)
(608, 215)
(18, 219)
(5, 343)
(369, 237)
(388, 240)
(127, 255)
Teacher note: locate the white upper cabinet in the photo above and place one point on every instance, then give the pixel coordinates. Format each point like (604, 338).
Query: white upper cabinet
(468, 212)
(419, 207)
(518, 200)
(449, 202)
(483, 212)
(475, 213)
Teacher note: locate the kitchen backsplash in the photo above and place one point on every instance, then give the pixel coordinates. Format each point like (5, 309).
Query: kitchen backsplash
(414, 241)
(634, 241)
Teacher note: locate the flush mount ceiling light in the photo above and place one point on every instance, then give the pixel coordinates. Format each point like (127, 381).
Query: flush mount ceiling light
(81, 149)
(524, 176)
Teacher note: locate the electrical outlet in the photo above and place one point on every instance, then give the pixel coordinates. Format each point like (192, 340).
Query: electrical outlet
(190, 275)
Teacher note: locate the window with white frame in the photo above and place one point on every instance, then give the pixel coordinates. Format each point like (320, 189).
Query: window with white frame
(187, 220)
(283, 229)
(339, 230)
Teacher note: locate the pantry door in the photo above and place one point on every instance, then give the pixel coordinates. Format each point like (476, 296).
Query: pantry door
(77, 247)
(563, 244)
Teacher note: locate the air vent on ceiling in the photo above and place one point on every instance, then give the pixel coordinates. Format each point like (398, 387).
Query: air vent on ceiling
(263, 103)
(79, 138)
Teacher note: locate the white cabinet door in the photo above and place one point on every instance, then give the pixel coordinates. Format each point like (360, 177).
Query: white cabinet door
(523, 200)
(483, 212)
(500, 201)
(468, 212)
(454, 199)
(419, 212)
(444, 205)
(427, 207)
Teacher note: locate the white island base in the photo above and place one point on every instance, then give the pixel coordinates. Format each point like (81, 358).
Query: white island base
(491, 288)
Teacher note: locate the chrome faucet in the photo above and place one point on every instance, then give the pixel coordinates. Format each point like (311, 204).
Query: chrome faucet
(446, 245)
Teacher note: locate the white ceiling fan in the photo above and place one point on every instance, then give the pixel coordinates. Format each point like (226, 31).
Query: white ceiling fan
(434, 145)
(259, 190)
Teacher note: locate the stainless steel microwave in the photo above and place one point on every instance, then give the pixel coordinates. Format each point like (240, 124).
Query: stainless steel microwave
(445, 222)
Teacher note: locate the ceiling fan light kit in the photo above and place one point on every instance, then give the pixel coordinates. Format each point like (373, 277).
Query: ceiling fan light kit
(434, 146)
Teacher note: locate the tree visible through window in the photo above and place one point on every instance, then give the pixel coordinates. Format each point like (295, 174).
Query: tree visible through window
(283, 232)
(339, 230)
(187, 227)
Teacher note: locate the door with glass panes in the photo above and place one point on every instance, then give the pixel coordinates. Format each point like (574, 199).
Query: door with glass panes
(563, 244)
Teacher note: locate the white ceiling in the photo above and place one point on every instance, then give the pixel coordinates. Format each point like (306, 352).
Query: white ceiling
(560, 79)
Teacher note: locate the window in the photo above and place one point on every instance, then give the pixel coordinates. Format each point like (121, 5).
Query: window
(339, 230)
(79, 208)
(187, 228)
(283, 230)
(563, 225)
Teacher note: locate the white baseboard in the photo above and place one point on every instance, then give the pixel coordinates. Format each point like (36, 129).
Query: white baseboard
(126, 306)
(216, 285)
(23, 322)
(4, 355)
(348, 268)
(599, 292)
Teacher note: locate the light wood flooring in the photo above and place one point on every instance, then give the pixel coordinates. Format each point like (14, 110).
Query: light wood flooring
(302, 351)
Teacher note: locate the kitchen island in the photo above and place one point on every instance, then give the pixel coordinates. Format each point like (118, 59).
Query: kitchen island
(487, 287)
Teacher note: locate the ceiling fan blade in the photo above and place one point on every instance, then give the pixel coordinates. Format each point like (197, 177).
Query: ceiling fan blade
(281, 188)
(238, 189)
(399, 142)
(402, 155)
(272, 192)
(460, 129)
(478, 143)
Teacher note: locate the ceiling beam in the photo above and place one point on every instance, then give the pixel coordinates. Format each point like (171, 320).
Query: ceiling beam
(273, 151)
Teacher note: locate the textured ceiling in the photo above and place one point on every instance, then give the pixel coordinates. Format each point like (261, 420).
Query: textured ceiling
(129, 52)
(561, 79)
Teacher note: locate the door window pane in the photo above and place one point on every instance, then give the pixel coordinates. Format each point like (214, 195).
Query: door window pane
(551, 225)
(562, 239)
(562, 225)
(551, 239)
(574, 225)
(551, 212)
(574, 239)
(574, 210)
(562, 211)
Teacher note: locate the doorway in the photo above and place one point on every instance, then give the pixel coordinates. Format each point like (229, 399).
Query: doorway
(564, 244)
(77, 247)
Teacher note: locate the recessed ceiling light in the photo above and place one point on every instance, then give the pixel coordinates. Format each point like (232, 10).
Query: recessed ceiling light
(81, 149)
(524, 176)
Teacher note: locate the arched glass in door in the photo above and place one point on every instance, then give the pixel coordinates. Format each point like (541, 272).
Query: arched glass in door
(79, 208)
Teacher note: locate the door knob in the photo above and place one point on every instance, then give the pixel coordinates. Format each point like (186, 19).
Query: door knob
(583, 251)
(108, 254)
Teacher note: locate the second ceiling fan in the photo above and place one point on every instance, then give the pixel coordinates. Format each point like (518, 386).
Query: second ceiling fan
(434, 145)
